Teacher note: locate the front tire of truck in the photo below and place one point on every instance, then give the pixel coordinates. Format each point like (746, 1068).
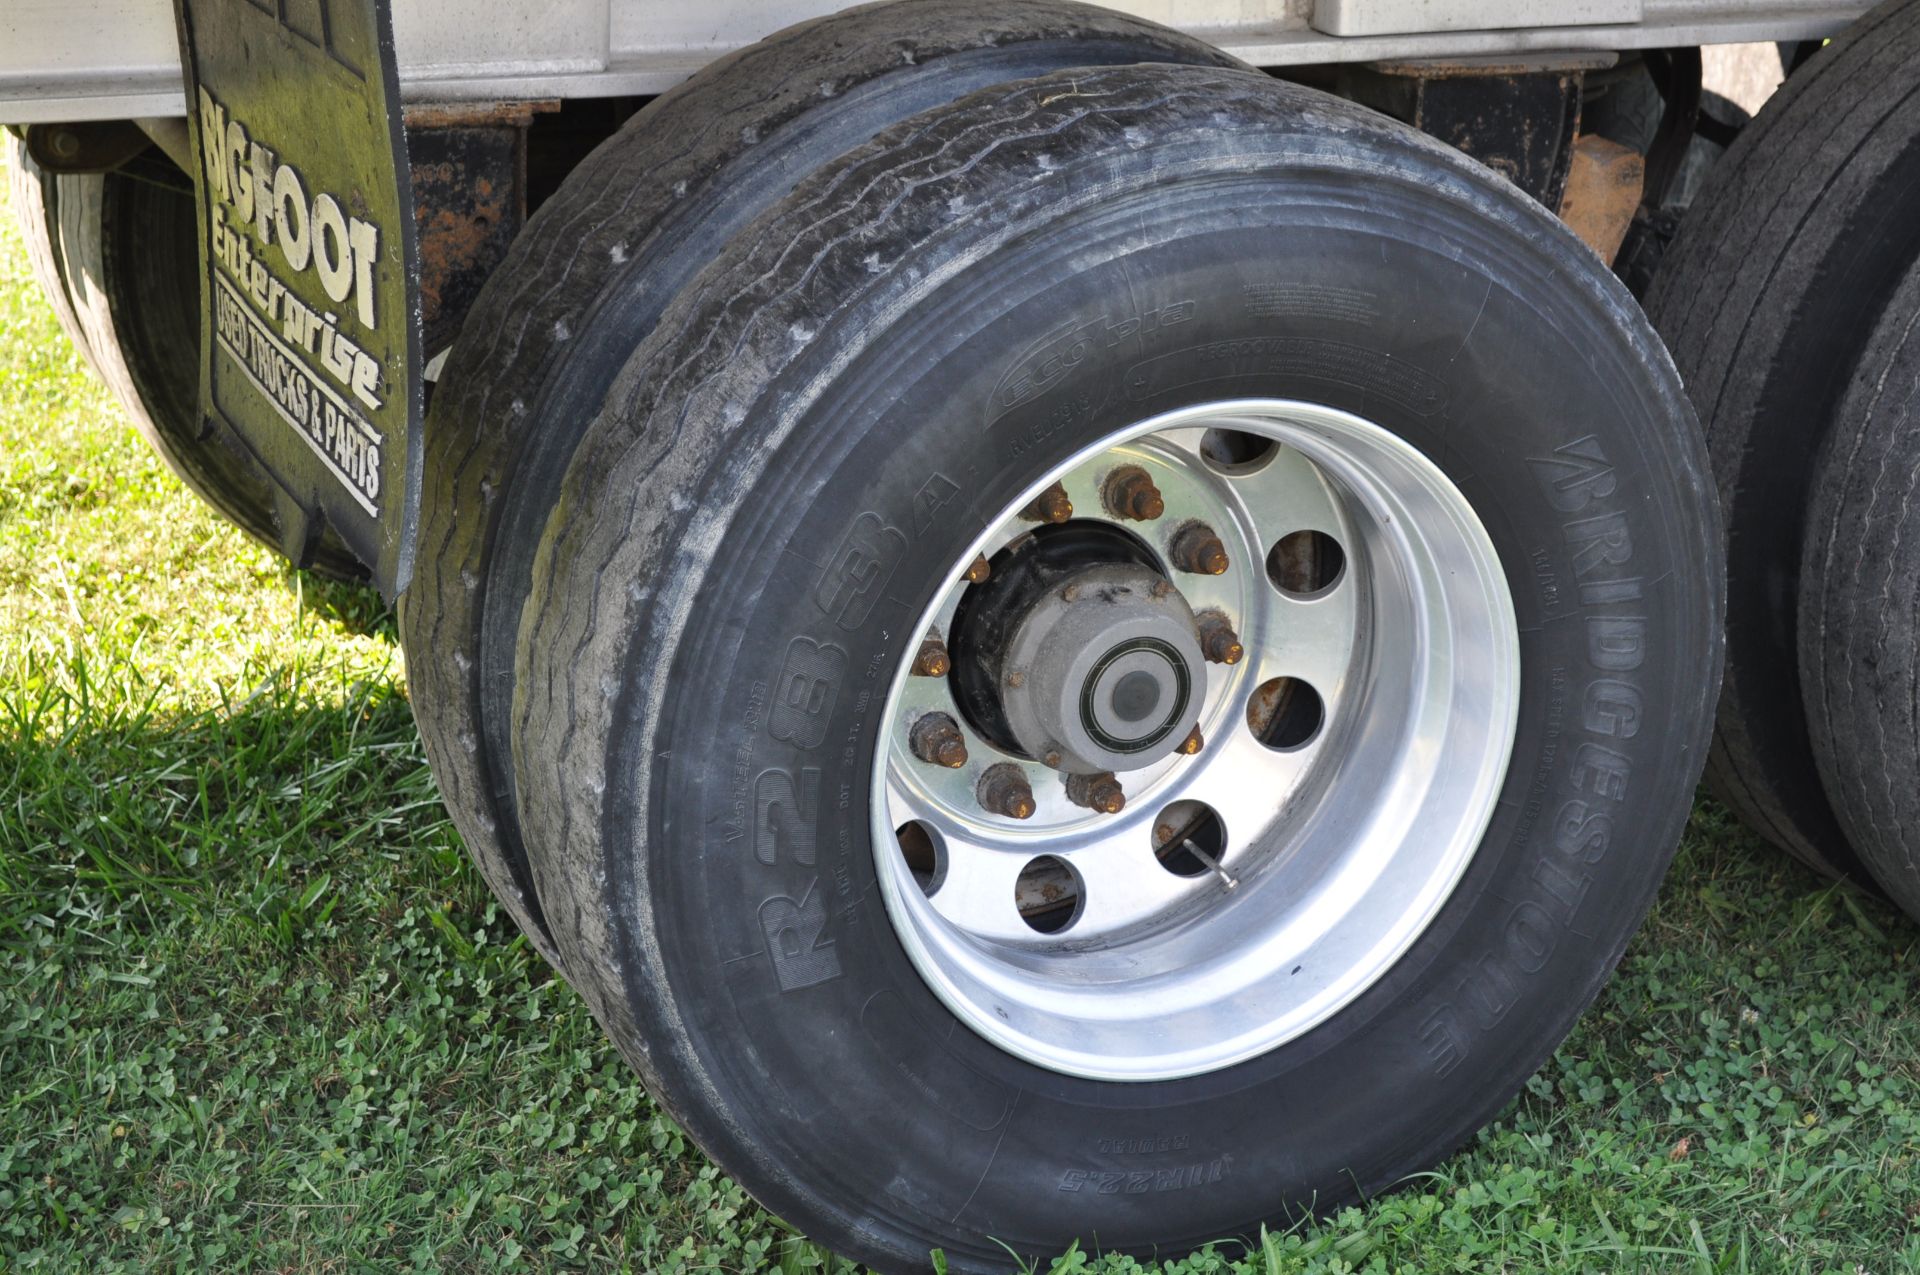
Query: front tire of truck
(115, 254)
(1120, 666)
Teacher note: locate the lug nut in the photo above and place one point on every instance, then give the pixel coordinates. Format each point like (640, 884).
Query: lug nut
(1051, 506)
(936, 740)
(1003, 790)
(1129, 493)
(978, 569)
(1197, 550)
(931, 660)
(1192, 744)
(1100, 792)
(1218, 642)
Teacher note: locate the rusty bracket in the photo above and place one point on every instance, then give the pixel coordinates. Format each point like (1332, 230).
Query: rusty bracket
(1518, 117)
(469, 162)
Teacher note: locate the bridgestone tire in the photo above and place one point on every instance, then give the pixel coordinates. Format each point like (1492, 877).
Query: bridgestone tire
(1776, 279)
(116, 257)
(836, 368)
(584, 284)
(1859, 596)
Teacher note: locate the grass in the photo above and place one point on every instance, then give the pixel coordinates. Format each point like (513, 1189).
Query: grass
(258, 1013)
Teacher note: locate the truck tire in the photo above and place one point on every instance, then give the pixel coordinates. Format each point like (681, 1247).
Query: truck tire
(1859, 594)
(1282, 358)
(36, 211)
(1773, 284)
(117, 258)
(591, 273)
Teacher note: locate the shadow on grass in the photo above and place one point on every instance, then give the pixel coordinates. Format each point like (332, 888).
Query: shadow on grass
(257, 1011)
(253, 807)
(356, 607)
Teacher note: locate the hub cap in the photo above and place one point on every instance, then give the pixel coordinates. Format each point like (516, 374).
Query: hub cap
(1105, 673)
(1234, 724)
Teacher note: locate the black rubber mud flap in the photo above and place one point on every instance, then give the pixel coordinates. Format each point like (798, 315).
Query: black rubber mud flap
(310, 350)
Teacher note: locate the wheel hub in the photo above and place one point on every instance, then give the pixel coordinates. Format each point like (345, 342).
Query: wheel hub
(1104, 673)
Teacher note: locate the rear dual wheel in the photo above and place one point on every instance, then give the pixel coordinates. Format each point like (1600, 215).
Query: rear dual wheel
(1150, 940)
(1785, 266)
(587, 281)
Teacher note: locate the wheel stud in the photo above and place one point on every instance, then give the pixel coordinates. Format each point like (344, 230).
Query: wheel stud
(1003, 790)
(932, 660)
(936, 740)
(1050, 506)
(1100, 792)
(978, 569)
(1129, 493)
(1192, 744)
(1218, 642)
(1197, 550)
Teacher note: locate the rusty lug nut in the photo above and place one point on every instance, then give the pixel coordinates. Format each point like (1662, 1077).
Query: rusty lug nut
(1196, 549)
(1100, 792)
(931, 660)
(1003, 790)
(936, 740)
(978, 569)
(1129, 493)
(1218, 642)
(1051, 506)
(1192, 744)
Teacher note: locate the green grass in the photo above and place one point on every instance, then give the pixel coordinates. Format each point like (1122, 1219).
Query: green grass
(258, 1013)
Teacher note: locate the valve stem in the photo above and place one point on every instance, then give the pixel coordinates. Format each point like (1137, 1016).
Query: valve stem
(1196, 549)
(936, 740)
(1218, 642)
(1051, 506)
(1003, 790)
(1129, 493)
(1212, 864)
(1192, 744)
(978, 569)
(1101, 792)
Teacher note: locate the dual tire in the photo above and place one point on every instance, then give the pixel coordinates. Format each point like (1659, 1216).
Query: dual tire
(1786, 301)
(728, 477)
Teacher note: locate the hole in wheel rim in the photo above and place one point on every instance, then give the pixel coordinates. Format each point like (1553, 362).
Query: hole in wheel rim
(1186, 834)
(1236, 451)
(1049, 894)
(1286, 713)
(921, 849)
(1305, 564)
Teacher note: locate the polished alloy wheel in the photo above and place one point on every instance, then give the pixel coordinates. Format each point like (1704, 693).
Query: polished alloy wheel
(1196, 740)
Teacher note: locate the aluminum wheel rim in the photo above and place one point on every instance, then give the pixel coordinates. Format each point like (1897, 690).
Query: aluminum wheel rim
(1334, 853)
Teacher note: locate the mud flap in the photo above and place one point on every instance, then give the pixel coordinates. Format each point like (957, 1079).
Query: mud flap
(310, 313)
